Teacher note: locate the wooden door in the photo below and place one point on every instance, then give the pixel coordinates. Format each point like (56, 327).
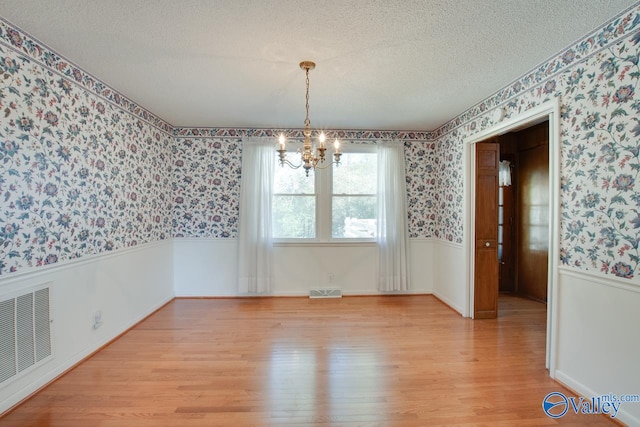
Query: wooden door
(485, 299)
(533, 213)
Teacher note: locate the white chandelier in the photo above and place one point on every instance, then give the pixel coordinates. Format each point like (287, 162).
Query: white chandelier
(310, 156)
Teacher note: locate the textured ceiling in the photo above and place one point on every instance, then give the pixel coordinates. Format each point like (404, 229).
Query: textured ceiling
(387, 64)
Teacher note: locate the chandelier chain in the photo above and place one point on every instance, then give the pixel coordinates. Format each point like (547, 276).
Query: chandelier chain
(311, 158)
(307, 122)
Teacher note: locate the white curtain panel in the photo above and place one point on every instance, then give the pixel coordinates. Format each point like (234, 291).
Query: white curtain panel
(254, 230)
(393, 238)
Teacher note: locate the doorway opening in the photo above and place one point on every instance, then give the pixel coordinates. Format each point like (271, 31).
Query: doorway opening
(476, 245)
(511, 218)
(523, 212)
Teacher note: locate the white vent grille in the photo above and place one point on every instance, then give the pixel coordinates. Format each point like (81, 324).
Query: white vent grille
(25, 332)
(7, 339)
(325, 293)
(42, 324)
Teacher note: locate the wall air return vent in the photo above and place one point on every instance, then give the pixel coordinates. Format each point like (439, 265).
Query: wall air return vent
(325, 293)
(25, 333)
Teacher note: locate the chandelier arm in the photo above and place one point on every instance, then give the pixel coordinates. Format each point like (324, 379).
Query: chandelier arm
(291, 165)
(326, 165)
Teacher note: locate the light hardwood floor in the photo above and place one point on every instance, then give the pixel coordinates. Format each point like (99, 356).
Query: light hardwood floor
(356, 361)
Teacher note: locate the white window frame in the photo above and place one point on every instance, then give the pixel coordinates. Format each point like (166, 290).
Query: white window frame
(324, 201)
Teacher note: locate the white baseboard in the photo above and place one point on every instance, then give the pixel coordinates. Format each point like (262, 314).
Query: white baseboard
(449, 302)
(65, 366)
(306, 294)
(623, 414)
(125, 287)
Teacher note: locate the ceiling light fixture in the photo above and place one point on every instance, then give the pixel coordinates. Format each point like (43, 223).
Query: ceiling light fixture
(310, 156)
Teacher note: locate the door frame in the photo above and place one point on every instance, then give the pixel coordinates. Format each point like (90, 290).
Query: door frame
(549, 110)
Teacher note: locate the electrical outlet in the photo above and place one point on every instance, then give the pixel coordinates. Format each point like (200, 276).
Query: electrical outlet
(97, 319)
(332, 277)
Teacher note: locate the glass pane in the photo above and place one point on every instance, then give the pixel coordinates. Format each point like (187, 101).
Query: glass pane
(292, 181)
(357, 174)
(499, 252)
(353, 217)
(500, 215)
(294, 217)
(499, 234)
(500, 196)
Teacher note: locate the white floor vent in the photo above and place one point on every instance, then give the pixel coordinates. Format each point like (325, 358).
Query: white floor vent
(25, 333)
(325, 293)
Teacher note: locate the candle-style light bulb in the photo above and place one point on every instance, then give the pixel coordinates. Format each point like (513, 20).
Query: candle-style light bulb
(322, 138)
(281, 141)
(336, 145)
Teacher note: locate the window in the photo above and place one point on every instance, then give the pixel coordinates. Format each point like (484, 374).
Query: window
(335, 203)
(353, 201)
(294, 204)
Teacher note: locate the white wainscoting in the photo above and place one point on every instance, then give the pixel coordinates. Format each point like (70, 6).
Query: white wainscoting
(449, 283)
(207, 267)
(125, 285)
(598, 316)
(599, 337)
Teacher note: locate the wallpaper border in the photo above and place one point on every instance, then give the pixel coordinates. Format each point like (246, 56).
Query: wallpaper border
(18, 40)
(586, 46)
(350, 134)
(611, 32)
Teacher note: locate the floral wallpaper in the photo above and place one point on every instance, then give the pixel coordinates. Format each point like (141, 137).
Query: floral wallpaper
(206, 186)
(448, 199)
(78, 174)
(206, 182)
(31, 48)
(209, 208)
(84, 170)
(597, 84)
(421, 188)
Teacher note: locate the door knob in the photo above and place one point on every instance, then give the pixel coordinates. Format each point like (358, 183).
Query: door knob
(487, 244)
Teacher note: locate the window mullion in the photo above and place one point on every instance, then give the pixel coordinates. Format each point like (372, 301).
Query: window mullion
(323, 203)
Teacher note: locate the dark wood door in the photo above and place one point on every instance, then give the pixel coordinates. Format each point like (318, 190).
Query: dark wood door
(485, 300)
(533, 220)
